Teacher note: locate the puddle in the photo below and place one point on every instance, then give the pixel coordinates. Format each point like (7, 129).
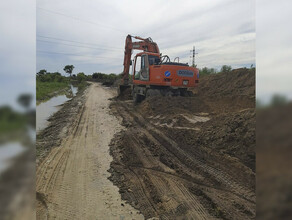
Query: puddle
(46, 109)
(7, 152)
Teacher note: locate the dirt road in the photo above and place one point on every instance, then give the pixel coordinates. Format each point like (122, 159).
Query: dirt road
(172, 157)
(72, 181)
(163, 176)
(190, 157)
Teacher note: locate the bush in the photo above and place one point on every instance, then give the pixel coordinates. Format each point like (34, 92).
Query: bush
(81, 77)
(278, 100)
(44, 76)
(59, 78)
(207, 71)
(226, 69)
(105, 78)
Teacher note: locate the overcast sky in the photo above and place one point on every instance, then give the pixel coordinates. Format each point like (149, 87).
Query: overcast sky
(273, 48)
(222, 31)
(17, 50)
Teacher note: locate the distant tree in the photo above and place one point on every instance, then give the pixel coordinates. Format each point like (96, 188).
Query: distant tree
(207, 71)
(94, 75)
(226, 69)
(69, 69)
(259, 104)
(278, 100)
(213, 71)
(25, 100)
(57, 73)
(42, 72)
(204, 71)
(81, 77)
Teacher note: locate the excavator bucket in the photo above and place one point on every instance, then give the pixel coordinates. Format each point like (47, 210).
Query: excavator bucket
(122, 89)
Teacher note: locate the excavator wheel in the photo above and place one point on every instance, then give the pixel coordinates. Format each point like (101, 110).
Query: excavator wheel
(186, 93)
(137, 98)
(153, 92)
(190, 93)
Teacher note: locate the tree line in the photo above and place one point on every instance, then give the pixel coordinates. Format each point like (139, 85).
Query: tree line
(45, 76)
(224, 69)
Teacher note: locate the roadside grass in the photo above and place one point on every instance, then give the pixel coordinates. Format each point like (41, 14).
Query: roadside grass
(11, 121)
(46, 90)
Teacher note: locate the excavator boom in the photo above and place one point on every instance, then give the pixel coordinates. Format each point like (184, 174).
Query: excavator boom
(146, 45)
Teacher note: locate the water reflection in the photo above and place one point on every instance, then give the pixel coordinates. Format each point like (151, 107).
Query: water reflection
(7, 152)
(48, 108)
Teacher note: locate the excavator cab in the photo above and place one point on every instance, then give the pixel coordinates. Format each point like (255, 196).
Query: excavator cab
(141, 68)
(142, 63)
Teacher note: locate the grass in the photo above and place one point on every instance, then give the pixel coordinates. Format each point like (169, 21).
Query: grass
(10, 121)
(46, 90)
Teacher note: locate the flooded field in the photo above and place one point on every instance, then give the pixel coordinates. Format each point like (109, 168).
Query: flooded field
(8, 152)
(46, 109)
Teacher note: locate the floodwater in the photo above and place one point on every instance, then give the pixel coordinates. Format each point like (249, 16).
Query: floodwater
(8, 152)
(46, 109)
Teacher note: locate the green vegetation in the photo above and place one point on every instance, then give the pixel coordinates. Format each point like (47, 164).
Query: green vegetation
(25, 100)
(69, 69)
(11, 120)
(48, 84)
(276, 100)
(109, 78)
(81, 77)
(46, 90)
(224, 69)
(207, 71)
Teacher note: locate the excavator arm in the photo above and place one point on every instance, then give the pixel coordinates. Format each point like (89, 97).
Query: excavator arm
(146, 45)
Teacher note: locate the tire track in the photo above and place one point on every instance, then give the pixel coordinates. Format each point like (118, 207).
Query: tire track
(201, 173)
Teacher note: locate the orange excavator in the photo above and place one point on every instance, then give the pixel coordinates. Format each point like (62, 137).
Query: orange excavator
(154, 74)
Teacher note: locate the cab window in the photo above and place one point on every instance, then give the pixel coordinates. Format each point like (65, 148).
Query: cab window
(143, 62)
(137, 67)
(153, 60)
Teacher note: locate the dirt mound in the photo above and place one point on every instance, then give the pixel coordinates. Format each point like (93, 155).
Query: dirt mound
(169, 106)
(274, 163)
(218, 93)
(237, 82)
(202, 146)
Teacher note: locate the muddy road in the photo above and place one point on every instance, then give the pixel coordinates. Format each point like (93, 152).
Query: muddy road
(166, 158)
(189, 157)
(162, 175)
(72, 180)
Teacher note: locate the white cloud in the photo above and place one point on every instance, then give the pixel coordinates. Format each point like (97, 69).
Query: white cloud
(17, 49)
(175, 25)
(274, 48)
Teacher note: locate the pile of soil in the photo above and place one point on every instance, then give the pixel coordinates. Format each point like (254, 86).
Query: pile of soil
(211, 104)
(206, 140)
(237, 82)
(274, 152)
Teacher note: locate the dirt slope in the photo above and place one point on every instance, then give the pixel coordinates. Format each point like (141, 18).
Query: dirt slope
(237, 82)
(274, 152)
(190, 157)
(72, 181)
